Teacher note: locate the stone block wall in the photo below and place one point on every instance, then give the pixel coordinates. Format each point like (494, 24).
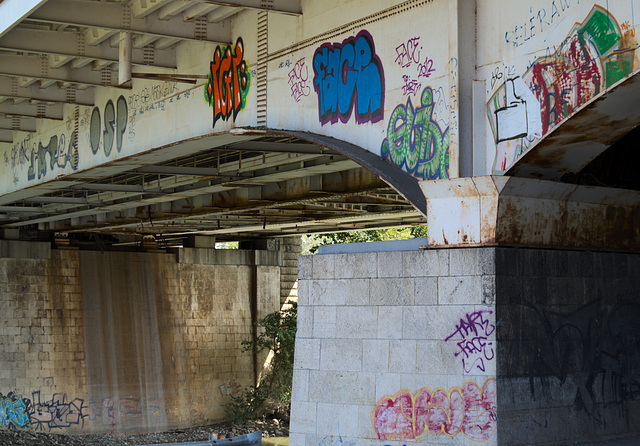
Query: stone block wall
(382, 333)
(113, 341)
(490, 345)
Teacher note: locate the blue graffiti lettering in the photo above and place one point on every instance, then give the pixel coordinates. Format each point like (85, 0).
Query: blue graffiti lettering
(349, 73)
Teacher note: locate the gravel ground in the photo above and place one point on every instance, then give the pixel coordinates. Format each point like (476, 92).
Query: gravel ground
(269, 428)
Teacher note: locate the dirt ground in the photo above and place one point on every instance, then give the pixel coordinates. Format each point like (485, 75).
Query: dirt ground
(269, 428)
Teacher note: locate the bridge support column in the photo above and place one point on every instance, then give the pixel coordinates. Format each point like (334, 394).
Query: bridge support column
(502, 345)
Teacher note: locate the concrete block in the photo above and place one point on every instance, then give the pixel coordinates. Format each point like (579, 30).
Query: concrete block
(339, 292)
(488, 284)
(391, 291)
(323, 266)
(303, 292)
(427, 263)
(358, 265)
(321, 385)
(390, 264)
(459, 290)
(390, 322)
(303, 417)
(366, 429)
(356, 322)
(305, 267)
(354, 388)
(425, 291)
(338, 419)
(307, 353)
(463, 262)
(14, 249)
(324, 322)
(486, 261)
(305, 321)
(297, 438)
(415, 322)
(375, 356)
(341, 354)
(437, 358)
(402, 356)
(387, 384)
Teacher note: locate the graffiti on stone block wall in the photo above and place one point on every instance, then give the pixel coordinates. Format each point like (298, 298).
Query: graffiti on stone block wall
(298, 80)
(592, 352)
(57, 413)
(231, 389)
(349, 75)
(467, 409)
(14, 411)
(228, 83)
(114, 118)
(124, 411)
(594, 56)
(415, 141)
(472, 335)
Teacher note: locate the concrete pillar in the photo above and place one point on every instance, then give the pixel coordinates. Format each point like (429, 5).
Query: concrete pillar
(517, 325)
(491, 345)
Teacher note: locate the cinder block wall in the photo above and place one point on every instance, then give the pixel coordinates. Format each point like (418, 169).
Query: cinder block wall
(382, 333)
(501, 346)
(127, 341)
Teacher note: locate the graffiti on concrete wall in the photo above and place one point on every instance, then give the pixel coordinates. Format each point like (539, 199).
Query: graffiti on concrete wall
(228, 83)
(595, 55)
(467, 409)
(61, 152)
(298, 80)
(57, 413)
(415, 141)
(109, 127)
(409, 58)
(592, 352)
(472, 335)
(349, 75)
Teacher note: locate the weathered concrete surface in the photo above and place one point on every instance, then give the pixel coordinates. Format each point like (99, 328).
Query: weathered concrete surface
(502, 346)
(117, 341)
(511, 211)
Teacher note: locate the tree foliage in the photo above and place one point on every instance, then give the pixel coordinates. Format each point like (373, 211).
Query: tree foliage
(312, 242)
(278, 335)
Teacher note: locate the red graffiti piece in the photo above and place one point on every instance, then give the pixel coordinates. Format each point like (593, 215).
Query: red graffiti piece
(466, 409)
(229, 81)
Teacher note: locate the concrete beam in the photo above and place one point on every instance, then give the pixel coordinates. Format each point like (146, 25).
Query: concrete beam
(13, 12)
(108, 15)
(64, 45)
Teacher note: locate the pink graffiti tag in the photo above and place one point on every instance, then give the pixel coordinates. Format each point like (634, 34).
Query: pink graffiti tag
(298, 77)
(466, 409)
(476, 345)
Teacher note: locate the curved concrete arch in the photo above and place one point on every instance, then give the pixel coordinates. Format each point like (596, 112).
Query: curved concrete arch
(403, 182)
(578, 140)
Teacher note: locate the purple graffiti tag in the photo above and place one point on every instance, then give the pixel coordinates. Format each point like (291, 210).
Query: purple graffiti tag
(298, 77)
(426, 68)
(349, 74)
(411, 86)
(476, 346)
(409, 52)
